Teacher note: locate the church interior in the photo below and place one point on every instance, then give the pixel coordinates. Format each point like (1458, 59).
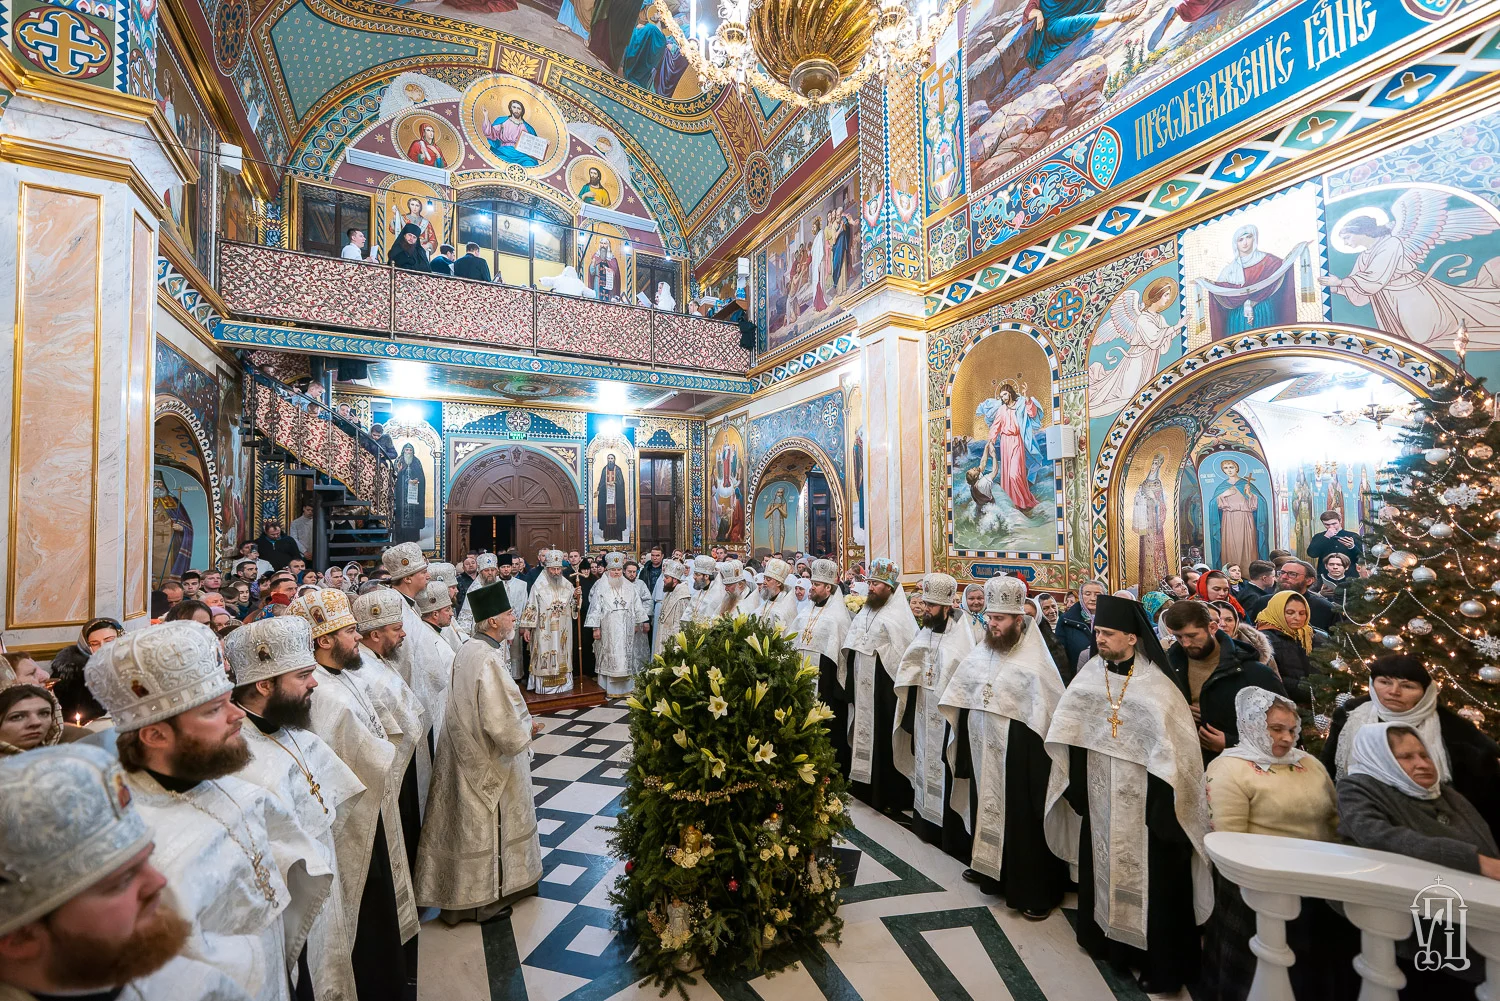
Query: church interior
(1080, 293)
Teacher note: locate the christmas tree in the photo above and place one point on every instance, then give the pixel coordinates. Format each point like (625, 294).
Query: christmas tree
(733, 798)
(1435, 547)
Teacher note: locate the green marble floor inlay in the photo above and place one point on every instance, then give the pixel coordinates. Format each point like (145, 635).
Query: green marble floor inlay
(908, 929)
(907, 882)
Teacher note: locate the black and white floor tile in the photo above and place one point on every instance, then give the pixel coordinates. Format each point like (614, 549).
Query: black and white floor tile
(914, 930)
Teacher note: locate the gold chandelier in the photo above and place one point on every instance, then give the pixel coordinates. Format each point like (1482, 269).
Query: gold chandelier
(808, 52)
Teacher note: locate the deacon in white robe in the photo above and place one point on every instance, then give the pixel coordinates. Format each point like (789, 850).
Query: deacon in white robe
(348, 715)
(451, 633)
(489, 572)
(1126, 804)
(641, 654)
(482, 851)
(244, 873)
(616, 615)
(677, 593)
(778, 605)
(547, 626)
(273, 667)
(70, 836)
(999, 705)
(921, 731)
(877, 638)
(820, 638)
(708, 591)
(435, 607)
(419, 660)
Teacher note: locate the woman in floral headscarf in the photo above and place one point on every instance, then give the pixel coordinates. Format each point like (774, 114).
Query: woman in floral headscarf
(1284, 621)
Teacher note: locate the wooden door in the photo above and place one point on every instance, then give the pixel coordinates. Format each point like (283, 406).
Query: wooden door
(516, 480)
(660, 500)
(819, 516)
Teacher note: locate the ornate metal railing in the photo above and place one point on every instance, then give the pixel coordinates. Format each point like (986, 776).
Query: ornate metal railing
(322, 441)
(287, 286)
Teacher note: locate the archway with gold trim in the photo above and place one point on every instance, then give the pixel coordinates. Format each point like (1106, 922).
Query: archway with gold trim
(819, 458)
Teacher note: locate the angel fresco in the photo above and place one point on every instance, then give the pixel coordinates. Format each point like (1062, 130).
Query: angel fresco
(1408, 295)
(1135, 319)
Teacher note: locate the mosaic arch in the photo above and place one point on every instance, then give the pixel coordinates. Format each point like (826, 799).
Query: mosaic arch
(1412, 367)
(820, 458)
(170, 405)
(461, 464)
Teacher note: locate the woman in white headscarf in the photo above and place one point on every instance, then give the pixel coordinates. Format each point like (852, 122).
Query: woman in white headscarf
(1401, 691)
(1393, 800)
(1265, 784)
(664, 300)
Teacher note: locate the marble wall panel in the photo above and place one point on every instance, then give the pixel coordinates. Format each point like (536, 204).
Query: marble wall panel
(52, 501)
(138, 445)
(880, 450)
(909, 402)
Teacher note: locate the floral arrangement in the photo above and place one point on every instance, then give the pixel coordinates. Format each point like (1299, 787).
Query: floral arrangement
(733, 799)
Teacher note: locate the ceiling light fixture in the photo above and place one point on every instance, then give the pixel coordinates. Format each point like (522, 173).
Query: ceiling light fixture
(813, 54)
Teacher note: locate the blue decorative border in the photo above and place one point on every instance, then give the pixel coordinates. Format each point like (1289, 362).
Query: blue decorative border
(810, 359)
(316, 342)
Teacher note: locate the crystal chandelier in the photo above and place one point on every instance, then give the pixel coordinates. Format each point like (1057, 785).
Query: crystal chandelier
(808, 52)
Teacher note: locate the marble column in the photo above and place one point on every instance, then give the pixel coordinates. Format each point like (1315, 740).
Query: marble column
(892, 355)
(79, 186)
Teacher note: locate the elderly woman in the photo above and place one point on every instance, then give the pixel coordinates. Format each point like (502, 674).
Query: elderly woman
(1232, 622)
(1393, 800)
(1401, 691)
(67, 667)
(29, 718)
(1284, 623)
(1266, 785)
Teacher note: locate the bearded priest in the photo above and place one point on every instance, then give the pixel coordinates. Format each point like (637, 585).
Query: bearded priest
(677, 592)
(480, 848)
(616, 615)
(820, 639)
(1126, 804)
(778, 605)
(273, 667)
(921, 731)
(873, 647)
(999, 703)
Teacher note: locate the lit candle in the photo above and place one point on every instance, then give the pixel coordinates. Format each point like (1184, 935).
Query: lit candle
(78, 719)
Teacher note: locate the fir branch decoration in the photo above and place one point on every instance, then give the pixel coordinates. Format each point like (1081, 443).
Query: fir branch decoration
(733, 799)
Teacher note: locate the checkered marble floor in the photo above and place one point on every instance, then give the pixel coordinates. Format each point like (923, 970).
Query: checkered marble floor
(914, 930)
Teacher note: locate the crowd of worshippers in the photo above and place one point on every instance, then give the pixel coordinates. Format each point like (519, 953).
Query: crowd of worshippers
(267, 813)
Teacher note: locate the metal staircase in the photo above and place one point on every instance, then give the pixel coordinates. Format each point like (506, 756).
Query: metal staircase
(349, 475)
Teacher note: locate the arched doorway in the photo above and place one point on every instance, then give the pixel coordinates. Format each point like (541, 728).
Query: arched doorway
(1146, 480)
(792, 498)
(184, 517)
(516, 496)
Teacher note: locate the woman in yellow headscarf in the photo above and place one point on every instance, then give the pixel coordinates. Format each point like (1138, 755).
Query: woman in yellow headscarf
(1284, 621)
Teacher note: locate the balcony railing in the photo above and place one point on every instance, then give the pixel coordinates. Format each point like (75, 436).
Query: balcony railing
(1380, 893)
(288, 286)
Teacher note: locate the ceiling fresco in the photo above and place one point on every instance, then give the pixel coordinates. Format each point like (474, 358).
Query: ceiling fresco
(415, 380)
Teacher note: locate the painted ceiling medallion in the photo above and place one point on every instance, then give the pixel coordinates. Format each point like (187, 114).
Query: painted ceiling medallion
(809, 54)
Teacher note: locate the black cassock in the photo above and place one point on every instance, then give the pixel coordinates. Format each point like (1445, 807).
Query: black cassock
(610, 514)
(411, 503)
(950, 836)
(1031, 877)
(888, 791)
(1173, 952)
(380, 961)
(831, 691)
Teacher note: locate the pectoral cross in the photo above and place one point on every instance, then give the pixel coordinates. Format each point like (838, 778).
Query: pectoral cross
(317, 791)
(1114, 721)
(262, 877)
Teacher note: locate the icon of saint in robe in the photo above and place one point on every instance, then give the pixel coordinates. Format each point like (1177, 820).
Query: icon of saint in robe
(503, 133)
(1239, 519)
(609, 501)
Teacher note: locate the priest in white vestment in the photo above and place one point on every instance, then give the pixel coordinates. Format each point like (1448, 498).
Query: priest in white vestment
(677, 591)
(547, 625)
(435, 607)
(481, 850)
(778, 605)
(418, 660)
(732, 590)
(708, 591)
(642, 648)
(517, 591)
(244, 873)
(921, 732)
(447, 574)
(273, 667)
(374, 872)
(84, 909)
(488, 565)
(999, 704)
(750, 600)
(820, 639)
(616, 617)
(1126, 804)
(877, 638)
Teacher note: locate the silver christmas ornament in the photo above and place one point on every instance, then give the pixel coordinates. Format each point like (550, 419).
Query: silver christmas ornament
(1379, 550)
(1321, 723)
(1341, 699)
(1391, 642)
(1473, 609)
(1419, 626)
(1481, 453)
(1440, 530)
(1473, 714)
(1436, 455)
(1490, 674)
(1423, 575)
(1461, 407)
(1495, 587)
(1388, 511)
(1371, 636)
(1401, 559)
